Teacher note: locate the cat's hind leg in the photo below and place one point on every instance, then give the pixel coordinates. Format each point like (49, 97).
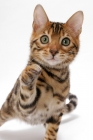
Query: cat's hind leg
(52, 126)
(6, 114)
(6, 111)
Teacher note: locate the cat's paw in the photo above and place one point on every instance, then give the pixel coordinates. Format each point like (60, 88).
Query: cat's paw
(30, 74)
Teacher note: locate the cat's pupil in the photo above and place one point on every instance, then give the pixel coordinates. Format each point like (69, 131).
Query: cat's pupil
(45, 38)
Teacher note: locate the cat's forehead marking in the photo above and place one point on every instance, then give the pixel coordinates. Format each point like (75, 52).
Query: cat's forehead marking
(57, 27)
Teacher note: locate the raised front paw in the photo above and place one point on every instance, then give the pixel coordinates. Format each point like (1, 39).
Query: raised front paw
(30, 74)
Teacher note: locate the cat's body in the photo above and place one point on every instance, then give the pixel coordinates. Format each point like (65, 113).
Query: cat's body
(39, 94)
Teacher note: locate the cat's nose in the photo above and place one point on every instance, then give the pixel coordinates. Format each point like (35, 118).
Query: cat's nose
(53, 51)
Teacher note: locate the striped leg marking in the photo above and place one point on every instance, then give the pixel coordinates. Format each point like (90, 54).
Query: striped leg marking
(29, 94)
(52, 126)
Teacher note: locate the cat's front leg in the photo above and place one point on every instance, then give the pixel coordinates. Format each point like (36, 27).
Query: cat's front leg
(24, 92)
(29, 93)
(52, 126)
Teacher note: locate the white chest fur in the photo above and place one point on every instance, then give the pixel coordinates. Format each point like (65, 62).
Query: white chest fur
(44, 110)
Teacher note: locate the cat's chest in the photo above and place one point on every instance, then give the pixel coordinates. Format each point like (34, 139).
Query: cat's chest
(51, 81)
(47, 106)
(51, 92)
(49, 103)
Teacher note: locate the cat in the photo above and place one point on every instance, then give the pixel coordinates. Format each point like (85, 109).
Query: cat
(40, 92)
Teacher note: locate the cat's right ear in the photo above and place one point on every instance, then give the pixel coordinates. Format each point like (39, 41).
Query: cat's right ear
(40, 18)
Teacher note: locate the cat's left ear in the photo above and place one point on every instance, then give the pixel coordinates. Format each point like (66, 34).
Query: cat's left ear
(75, 22)
(40, 18)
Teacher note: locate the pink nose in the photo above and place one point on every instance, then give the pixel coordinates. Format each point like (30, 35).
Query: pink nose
(53, 51)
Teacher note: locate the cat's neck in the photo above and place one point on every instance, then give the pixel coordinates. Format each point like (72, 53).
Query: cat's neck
(59, 74)
(59, 69)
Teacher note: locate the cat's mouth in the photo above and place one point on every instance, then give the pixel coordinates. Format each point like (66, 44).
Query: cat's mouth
(53, 61)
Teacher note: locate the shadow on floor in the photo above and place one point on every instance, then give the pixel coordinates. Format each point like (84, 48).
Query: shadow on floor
(70, 117)
(35, 133)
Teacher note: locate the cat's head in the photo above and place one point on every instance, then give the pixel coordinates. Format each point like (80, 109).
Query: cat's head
(54, 43)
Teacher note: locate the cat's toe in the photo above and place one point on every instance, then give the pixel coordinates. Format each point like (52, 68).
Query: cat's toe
(30, 73)
(36, 69)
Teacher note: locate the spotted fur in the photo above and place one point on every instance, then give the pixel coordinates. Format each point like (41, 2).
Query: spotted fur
(40, 92)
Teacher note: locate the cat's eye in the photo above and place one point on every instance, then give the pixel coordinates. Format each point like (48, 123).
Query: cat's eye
(44, 39)
(65, 41)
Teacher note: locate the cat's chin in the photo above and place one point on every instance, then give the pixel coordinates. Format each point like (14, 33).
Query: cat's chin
(52, 62)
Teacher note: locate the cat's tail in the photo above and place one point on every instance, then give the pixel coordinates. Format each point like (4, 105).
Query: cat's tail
(71, 105)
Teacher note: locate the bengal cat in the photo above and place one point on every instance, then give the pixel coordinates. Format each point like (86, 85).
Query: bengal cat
(40, 92)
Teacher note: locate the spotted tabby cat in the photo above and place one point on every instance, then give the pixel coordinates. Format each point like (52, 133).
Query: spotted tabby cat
(40, 92)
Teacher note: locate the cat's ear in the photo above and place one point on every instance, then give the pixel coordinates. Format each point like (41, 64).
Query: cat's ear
(40, 18)
(75, 22)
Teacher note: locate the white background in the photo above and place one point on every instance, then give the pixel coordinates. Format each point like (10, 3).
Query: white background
(16, 17)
